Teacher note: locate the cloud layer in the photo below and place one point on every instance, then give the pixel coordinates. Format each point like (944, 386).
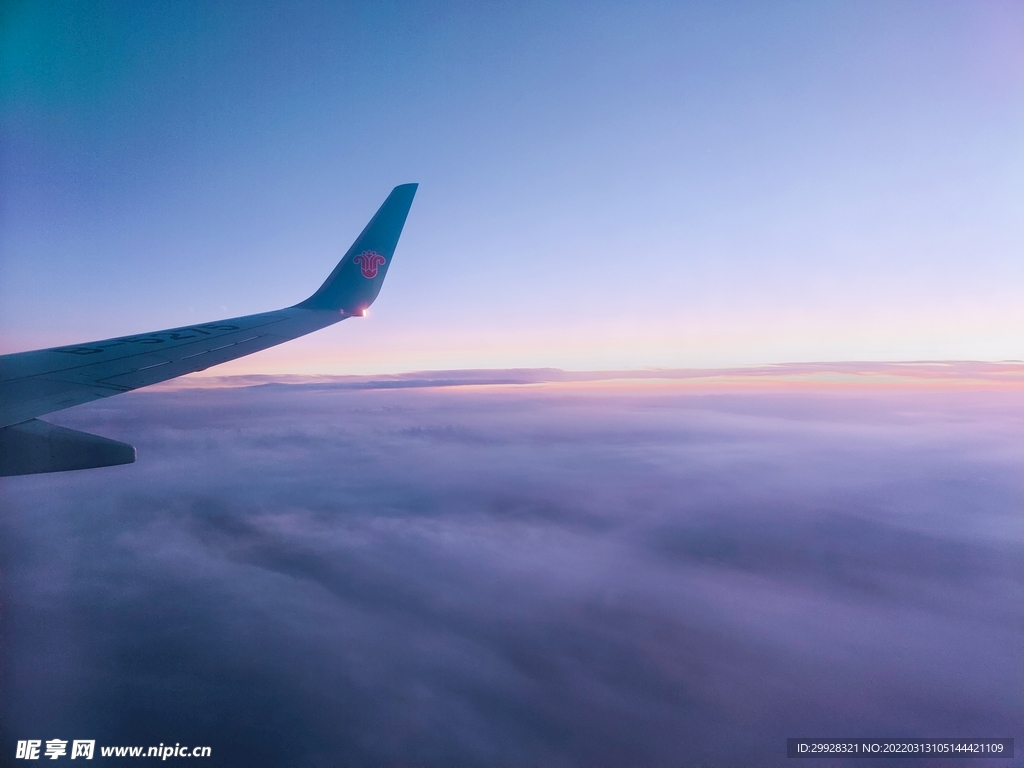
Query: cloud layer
(307, 575)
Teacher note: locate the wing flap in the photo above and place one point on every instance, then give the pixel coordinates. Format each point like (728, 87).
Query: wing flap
(37, 446)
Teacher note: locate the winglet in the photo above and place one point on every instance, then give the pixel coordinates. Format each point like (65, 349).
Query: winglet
(356, 281)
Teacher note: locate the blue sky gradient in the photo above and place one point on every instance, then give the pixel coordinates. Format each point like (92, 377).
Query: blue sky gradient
(603, 185)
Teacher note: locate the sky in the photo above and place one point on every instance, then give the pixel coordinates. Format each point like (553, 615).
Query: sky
(549, 575)
(603, 185)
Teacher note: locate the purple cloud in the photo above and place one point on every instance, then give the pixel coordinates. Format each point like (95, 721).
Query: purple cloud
(314, 574)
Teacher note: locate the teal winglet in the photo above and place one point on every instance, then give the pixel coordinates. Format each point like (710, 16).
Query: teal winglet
(356, 281)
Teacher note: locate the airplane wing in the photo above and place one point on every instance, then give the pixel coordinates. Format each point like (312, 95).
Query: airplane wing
(36, 383)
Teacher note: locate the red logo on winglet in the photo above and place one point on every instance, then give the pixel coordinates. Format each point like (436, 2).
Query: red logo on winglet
(369, 261)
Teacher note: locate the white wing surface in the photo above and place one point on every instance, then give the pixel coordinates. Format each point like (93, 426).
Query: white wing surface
(36, 383)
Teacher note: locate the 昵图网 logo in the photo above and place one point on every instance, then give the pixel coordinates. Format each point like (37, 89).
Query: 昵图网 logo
(369, 261)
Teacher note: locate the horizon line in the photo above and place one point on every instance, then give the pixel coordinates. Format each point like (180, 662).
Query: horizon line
(971, 373)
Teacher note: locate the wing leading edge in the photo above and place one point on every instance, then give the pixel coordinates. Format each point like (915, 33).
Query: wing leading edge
(36, 383)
